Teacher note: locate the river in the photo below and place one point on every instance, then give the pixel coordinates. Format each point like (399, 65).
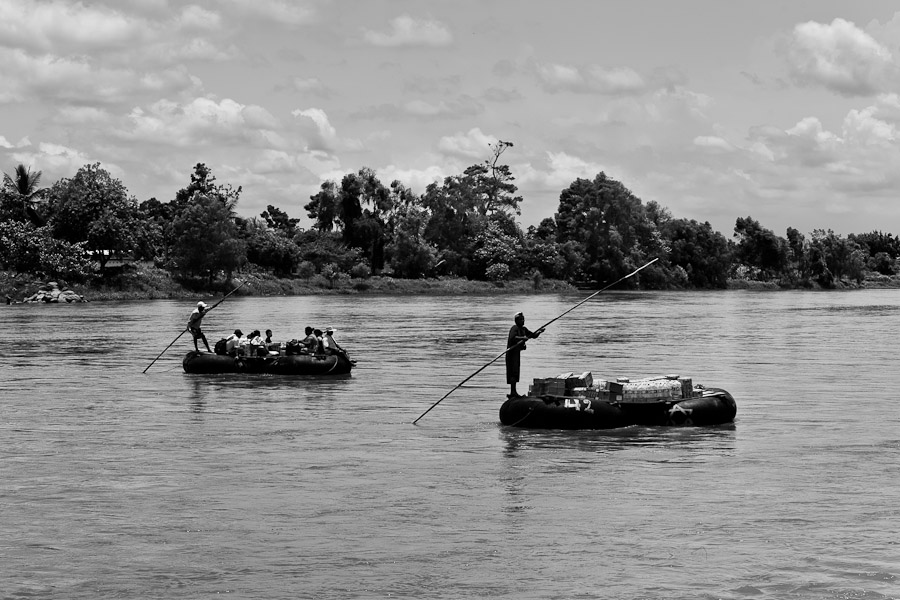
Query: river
(120, 484)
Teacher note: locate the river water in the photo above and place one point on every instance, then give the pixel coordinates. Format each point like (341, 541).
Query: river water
(120, 484)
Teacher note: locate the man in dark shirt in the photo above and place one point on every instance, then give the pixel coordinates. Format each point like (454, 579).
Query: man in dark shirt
(518, 334)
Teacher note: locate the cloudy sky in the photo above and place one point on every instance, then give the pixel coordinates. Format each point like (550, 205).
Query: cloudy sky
(787, 111)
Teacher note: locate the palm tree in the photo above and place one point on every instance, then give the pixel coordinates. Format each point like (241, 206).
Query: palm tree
(25, 186)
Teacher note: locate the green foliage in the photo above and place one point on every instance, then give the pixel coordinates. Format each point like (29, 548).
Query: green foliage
(611, 229)
(279, 221)
(206, 240)
(410, 256)
(28, 249)
(835, 258)
(320, 248)
(360, 271)
(497, 272)
(270, 249)
(493, 246)
(306, 270)
(94, 208)
(702, 254)
(760, 249)
(883, 263)
(464, 226)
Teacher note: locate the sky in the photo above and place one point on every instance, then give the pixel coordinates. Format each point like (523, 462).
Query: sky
(785, 111)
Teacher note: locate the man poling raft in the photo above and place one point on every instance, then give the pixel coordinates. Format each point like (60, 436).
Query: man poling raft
(517, 346)
(194, 325)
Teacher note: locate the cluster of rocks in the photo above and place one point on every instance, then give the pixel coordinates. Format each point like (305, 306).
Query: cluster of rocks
(54, 294)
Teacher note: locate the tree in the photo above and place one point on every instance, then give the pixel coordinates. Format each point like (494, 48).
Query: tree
(203, 182)
(835, 258)
(206, 239)
(23, 192)
(702, 253)
(94, 208)
(279, 221)
(271, 250)
(409, 255)
(761, 249)
(494, 247)
(25, 248)
(612, 229)
(492, 184)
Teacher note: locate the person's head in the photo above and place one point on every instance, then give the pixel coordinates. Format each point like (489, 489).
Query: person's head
(329, 331)
(238, 332)
(269, 332)
(254, 333)
(201, 306)
(308, 330)
(317, 332)
(520, 319)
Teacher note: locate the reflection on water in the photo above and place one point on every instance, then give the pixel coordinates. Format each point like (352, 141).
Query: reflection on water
(123, 484)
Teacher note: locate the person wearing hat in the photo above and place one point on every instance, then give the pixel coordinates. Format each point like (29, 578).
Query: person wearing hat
(331, 346)
(232, 342)
(194, 325)
(515, 343)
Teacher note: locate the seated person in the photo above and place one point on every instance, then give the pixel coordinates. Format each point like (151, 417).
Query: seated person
(244, 346)
(320, 346)
(232, 342)
(257, 346)
(310, 342)
(270, 345)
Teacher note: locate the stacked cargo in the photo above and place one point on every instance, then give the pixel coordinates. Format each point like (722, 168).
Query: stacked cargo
(640, 391)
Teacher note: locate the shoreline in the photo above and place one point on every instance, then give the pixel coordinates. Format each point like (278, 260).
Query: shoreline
(156, 284)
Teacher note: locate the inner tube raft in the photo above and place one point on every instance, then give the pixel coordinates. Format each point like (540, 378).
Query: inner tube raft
(207, 363)
(713, 406)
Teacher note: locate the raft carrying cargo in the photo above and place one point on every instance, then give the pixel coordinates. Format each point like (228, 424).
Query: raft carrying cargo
(290, 364)
(579, 402)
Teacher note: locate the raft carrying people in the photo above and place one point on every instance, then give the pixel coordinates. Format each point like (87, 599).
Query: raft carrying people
(252, 353)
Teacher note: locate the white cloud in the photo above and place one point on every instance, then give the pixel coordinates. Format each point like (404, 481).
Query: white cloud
(200, 121)
(196, 18)
(559, 170)
(603, 80)
(712, 141)
(59, 26)
(415, 179)
(865, 128)
(407, 31)
(472, 145)
(282, 12)
(840, 57)
(57, 161)
(322, 135)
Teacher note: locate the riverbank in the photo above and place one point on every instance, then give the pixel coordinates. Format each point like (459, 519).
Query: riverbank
(150, 283)
(153, 284)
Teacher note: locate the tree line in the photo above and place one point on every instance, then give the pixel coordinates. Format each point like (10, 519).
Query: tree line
(464, 226)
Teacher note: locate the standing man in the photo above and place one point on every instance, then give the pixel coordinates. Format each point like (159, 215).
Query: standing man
(518, 334)
(194, 325)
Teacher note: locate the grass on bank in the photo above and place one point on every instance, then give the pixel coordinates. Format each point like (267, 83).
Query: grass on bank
(150, 283)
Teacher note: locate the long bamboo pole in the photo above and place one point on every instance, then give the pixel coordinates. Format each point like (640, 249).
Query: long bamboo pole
(185, 329)
(548, 323)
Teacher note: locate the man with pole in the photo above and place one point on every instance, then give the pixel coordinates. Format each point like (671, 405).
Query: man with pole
(191, 321)
(194, 325)
(547, 324)
(518, 334)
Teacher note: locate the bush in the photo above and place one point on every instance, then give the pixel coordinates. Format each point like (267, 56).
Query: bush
(497, 272)
(360, 271)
